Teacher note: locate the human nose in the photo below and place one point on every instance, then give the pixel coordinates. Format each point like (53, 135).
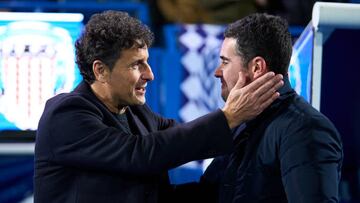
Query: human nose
(147, 75)
(218, 72)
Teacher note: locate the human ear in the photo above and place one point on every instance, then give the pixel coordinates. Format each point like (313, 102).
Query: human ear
(258, 66)
(100, 71)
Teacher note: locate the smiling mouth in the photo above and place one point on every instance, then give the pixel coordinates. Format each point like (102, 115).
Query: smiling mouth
(141, 89)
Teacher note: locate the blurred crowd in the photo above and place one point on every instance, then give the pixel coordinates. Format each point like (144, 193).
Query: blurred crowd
(297, 12)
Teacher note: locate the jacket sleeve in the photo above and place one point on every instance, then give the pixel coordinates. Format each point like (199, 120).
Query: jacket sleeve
(206, 190)
(310, 160)
(77, 136)
(161, 122)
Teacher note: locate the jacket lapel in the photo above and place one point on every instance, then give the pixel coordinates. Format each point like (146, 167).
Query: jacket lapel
(135, 124)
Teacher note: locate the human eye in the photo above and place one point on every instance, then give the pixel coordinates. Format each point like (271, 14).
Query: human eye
(224, 62)
(135, 65)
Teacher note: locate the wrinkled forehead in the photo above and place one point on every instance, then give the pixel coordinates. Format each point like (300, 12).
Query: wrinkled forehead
(135, 53)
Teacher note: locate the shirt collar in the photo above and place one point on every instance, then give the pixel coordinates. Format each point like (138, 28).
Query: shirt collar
(286, 88)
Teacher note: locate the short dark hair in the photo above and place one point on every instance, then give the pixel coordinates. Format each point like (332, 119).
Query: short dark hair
(263, 35)
(107, 34)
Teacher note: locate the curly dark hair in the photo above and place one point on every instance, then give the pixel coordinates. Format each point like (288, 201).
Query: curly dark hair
(263, 35)
(107, 34)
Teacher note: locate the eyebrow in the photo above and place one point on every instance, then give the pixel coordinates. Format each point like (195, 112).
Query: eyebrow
(137, 61)
(225, 58)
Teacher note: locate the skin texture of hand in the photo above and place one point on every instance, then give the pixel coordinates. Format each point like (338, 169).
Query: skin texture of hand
(247, 102)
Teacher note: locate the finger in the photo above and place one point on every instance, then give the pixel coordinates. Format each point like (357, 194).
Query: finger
(270, 92)
(271, 84)
(259, 82)
(278, 85)
(239, 82)
(269, 101)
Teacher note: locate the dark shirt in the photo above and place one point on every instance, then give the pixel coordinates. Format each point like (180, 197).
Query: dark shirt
(289, 153)
(124, 124)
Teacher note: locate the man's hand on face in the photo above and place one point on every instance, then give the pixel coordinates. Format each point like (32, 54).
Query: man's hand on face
(247, 102)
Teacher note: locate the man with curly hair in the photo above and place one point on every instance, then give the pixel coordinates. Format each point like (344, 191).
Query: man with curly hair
(101, 142)
(290, 152)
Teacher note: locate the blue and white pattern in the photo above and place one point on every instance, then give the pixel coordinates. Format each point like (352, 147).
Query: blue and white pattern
(200, 57)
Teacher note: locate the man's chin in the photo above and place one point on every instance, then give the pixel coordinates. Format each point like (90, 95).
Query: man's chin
(140, 101)
(224, 96)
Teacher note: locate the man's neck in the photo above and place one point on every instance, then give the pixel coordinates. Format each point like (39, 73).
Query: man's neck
(105, 97)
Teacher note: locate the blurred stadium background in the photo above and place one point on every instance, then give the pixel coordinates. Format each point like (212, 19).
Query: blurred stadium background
(188, 36)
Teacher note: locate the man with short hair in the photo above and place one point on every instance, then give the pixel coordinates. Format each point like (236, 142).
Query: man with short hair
(290, 152)
(102, 143)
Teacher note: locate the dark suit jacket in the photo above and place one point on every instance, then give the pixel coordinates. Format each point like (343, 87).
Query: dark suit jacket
(289, 153)
(83, 155)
